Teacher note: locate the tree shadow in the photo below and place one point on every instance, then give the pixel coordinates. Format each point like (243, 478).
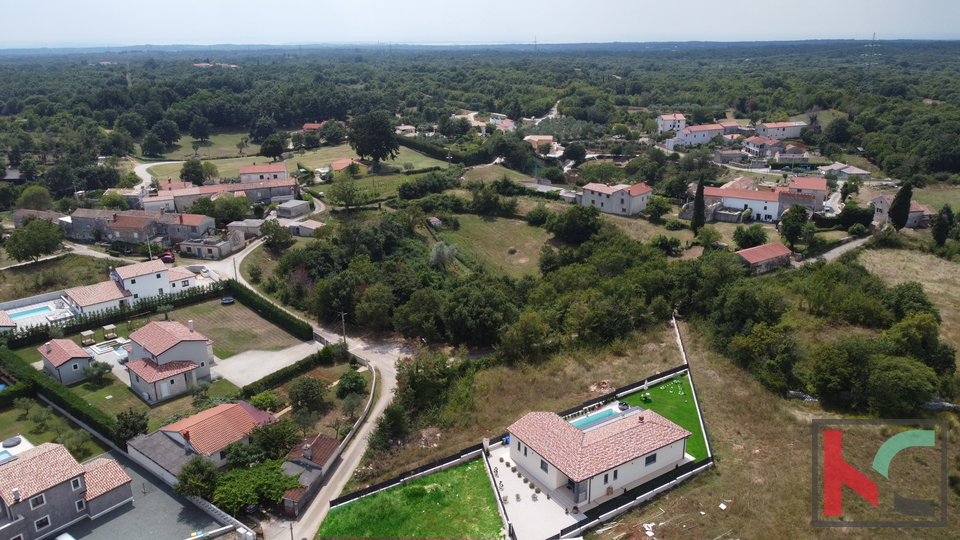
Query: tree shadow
(94, 385)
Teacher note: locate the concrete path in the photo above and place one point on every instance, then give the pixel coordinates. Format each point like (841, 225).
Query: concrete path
(141, 170)
(835, 252)
(250, 366)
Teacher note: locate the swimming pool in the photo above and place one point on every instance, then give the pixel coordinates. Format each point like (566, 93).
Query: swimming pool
(30, 312)
(593, 418)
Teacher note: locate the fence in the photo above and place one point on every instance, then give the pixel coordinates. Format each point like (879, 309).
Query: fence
(624, 391)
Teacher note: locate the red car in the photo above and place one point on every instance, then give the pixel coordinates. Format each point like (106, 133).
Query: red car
(167, 257)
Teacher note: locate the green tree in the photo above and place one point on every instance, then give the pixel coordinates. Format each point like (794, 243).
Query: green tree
(657, 207)
(28, 169)
(900, 207)
(132, 123)
(277, 238)
(167, 131)
(943, 221)
(576, 152)
(896, 385)
(152, 146)
(351, 382)
(244, 142)
(307, 393)
(265, 482)
(375, 307)
(37, 237)
(267, 401)
(276, 438)
(443, 255)
(526, 339)
(748, 237)
(850, 186)
(272, 147)
(192, 171)
(475, 311)
(576, 225)
(75, 440)
(114, 201)
(130, 423)
(40, 416)
(393, 425)
(24, 404)
(35, 198)
(699, 210)
(350, 405)
(792, 222)
(333, 132)
(200, 128)
(346, 192)
(198, 477)
(243, 455)
(708, 236)
(372, 135)
(420, 316)
(210, 171)
(96, 370)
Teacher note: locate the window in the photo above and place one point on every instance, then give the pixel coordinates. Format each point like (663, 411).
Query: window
(185, 283)
(137, 377)
(193, 228)
(518, 446)
(158, 276)
(606, 478)
(173, 285)
(223, 454)
(17, 537)
(209, 250)
(614, 474)
(202, 364)
(261, 177)
(135, 296)
(75, 484)
(132, 281)
(42, 523)
(161, 290)
(651, 459)
(525, 451)
(189, 249)
(37, 501)
(543, 466)
(80, 505)
(173, 382)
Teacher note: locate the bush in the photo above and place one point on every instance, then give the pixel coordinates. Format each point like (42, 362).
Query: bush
(675, 225)
(268, 310)
(538, 215)
(325, 355)
(858, 230)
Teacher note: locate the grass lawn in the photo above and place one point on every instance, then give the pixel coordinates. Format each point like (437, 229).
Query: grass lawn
(53, 275)
(220, 144)
(665, 399)
(493, 239)
(937, 195)
(111, 396)
(13, 422)
(495, 172)
(455, 503)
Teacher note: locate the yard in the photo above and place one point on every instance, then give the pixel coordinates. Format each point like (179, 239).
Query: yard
(455, 503)
(112, 396)
(938, 195)
(666, 399)
(14, 422)
(331, 418)
(220, 144)
(52, 275)
(510, 245)
(489, 173)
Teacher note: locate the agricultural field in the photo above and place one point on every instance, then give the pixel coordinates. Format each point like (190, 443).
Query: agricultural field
(938, 195)
(509, 245)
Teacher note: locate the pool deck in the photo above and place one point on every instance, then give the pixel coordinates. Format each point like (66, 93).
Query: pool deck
(56, 313)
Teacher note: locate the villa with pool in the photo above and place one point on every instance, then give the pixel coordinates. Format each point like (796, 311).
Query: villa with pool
(599, 455)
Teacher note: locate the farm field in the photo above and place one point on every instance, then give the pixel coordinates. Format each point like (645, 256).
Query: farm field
(493, 239)
(495, 172)
(937, 196)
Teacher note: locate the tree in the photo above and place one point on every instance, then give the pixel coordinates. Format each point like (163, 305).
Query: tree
(443, 255)
(850, 186)
(896, 385)
(272, 147)
(576, 152)
(40, 416)
(132, 123)
(333, 132)
(130, 423)
(420, 316)
(200, 128)
(229, 207)
(210, 171)
(277, 438)
(305, 420)
(243, 143)
(350, 405)
(792, 222)
(657, 207)
(167, 131)
(346, 192)
(699, 210)
(242, 486)
(708, 236)
(900, 207)
(394, 424)
(311, 140)
(298, 141)
(197, 477)
(96, 370)
(372, 135)
(375, 307)
(151, 145)
(243, 455)
(37, 237)
(277, 237)
(576, 225)
(307, 393)
(35, 198)
(24, 404)
(74, 440)
(267, 401)
(748, 237)
(943, 221)
(351, 382)
(261, 128)
(525, 340)
(114, 201)
(192, 171)
(28, 168)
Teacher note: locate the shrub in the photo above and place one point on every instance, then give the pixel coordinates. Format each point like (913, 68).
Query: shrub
(538, 215)
(858, 230)
(256, 273)
(501, 459)
(281, 376)
(675, 225)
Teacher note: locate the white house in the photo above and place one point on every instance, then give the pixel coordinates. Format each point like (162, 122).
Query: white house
(598, 459)
(305, 228)
(844, 171)
(671, 122)
(780, 130)
(763, 205)
(255, 173)
(920, 215)
(810, 185)
(762, 147)
(64, 360)
(699, 134)
(621, 199)
(142, 280)
(97, 297)
(168, 358)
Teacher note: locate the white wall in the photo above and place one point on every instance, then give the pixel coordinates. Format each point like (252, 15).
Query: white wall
(154, 204)
(177, 286)
(151, 466)
(145, 286)
(698, 137)
(670, 125)
(552, 479)
(195, 351)
(667, 458)
(779, 133)
(761, 209)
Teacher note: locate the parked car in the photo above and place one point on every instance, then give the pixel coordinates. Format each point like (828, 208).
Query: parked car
(167, 257)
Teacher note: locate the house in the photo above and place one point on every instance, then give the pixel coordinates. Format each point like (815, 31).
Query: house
(142, 280)
(249, 227)
(170, 358)
(539, 140)
(207, 433)
(293, 208)
(97, 297)
(259, 191)
(621, 199)
(763, 205)
(767, 257)
(14, 176)
(312, 127)
(762, 147)
(305, 228)
(730, 127)
(254, 173)
(671, 122)
(189, 227)
(43, 490)
(180, 278)
(214, 247)
(20, 215)
(134, 196)
(780, 130)
(919, 217)
(435, 222)
(406, 130)
(726, 156)
(598, 459)
(312, 459)
(133, 229)
(692, 135)
(844, 171)
(64, 360)
(342, 164)
(810, 185)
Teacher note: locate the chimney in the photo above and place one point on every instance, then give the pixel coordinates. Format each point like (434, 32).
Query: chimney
(114, 216)
(640, 418)
(186, 435)
(16, 495)
(307, 451)
(48, 347)
(190, 324)
(169, 181)
(181, 219)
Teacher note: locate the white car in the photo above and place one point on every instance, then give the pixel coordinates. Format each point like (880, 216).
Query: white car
(65, 536)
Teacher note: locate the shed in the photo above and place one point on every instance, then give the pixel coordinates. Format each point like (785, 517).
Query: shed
(305, 228)
(435, 222)
(88, 337)
(767, 257)
(293, 208)
(110, 331)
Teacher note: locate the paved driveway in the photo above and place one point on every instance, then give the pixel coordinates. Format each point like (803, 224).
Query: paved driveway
(249, 366)
(155, 514)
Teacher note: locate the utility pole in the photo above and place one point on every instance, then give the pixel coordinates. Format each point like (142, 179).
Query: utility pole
(343, 325)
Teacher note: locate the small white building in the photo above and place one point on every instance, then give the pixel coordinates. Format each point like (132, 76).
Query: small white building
(621, 199)
(762, 147)
(844, 171)
(780, 130)
(293, 208)
(255, 173)
(671, 122)
(143, 280)
(249, 227)
(64, 360)
(763, 205)
(305, 228)
(692, 135)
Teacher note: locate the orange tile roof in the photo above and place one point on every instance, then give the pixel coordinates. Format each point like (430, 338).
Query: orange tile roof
(808, 182)
(759, 140)
(585, 454)
(151, 372)
(5, 320)
(103, 475)
(177, 273)
(342, 164)
(604, 188)
(781, 124)
(194, 220)
(705, 127)
(321, 448)
(98, 293)
(141, 269)
(130, 222)
(311, 125)
(159, 336)
(36, 471)
(765, 252)
(257, 169)
(729, 123)
(638, 189)
(212, 430)
(62, 351)
(748, 194)
(676, 116)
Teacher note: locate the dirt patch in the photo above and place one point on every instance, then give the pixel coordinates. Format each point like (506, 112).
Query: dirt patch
(512, 251)
(601, 387)
(429, 437)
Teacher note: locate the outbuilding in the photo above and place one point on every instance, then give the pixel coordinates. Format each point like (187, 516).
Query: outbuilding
(765, 258)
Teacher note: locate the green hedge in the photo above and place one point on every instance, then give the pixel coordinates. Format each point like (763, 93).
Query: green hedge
(477, 157)
(421, 171)
(19, 390)
(269, 311)
(59, 394)
(325, 355)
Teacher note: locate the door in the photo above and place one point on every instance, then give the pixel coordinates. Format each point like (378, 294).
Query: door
(164, 389)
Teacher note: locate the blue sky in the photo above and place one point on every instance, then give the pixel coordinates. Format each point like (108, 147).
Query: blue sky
(57, 23)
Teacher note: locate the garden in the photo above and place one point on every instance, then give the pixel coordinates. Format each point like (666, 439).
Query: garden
(674, 400)
(40, 424)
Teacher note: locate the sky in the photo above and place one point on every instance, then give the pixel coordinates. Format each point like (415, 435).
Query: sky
(73, 23)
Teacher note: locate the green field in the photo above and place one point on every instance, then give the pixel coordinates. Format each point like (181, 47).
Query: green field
(52, 275)
(13, 422)
(220, 144)
(456, 503)
(495, 172)
(665, 399)
(936, 196)
(492, 239)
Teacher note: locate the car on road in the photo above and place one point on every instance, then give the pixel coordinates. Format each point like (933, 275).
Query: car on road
(167, 257)
(827, 208)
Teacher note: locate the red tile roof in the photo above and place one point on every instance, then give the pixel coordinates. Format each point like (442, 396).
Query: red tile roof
(765, 252)
(5, 320)
(321, 448)
(141, 269)
(926, 209)
(151, 372)
(135, 223)
(760, 140)
(769, 125)
(37, 470)
(676, 116)
(213, 429)
(311, 125)
(159, 336)
(178, 273)
(194, 220)
(62, 351)
(341, 164)
(705, 127)
(102, 476)
(582, 455)
(98, 293)
(748, 194)
(258, 169)
(808, 182)
(638, 189)
(294, 494)
(729, 123)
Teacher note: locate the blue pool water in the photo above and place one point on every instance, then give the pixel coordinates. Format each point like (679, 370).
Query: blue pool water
(593, 418)
(30, 313)
(2, 386)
